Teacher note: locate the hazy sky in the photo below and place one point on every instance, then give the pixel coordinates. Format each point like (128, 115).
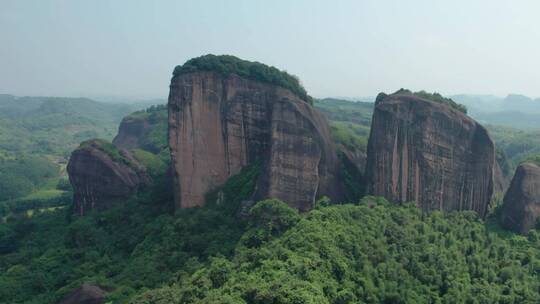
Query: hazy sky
(337, 48)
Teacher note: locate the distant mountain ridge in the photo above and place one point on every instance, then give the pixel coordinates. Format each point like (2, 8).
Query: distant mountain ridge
(55, 125)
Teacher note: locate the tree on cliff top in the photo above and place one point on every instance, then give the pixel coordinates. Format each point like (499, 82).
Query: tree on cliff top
(227, 64)
(436, 97)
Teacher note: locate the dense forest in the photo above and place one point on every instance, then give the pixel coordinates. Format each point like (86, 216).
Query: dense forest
(364, 252)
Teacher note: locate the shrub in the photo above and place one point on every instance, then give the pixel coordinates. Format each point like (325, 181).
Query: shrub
(436, 97)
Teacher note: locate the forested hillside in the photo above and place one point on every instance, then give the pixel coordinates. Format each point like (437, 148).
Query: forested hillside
(371, 252)
(37, 135)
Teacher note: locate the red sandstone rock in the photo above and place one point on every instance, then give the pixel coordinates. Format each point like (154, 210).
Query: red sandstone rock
(219, 124)
(99, 180)
(429, 153)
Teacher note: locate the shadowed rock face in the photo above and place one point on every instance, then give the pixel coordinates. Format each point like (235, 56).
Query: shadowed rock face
(86, 294)
(521, 207)
(130, 133)
(429, 153)
(219, 124)
(99, 181)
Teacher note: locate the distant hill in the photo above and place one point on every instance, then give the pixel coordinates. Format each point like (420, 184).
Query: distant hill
(514, 110)
(56, 125)
(37, 135)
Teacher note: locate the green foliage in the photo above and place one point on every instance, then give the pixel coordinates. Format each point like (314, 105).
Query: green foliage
(155, 166)
(129, 248)
(355, 112)
(226, 65)
(436, 97)
(352, 178)
(108, 148)
(21, 176)
(532, 158)
(55, 126)
(372, 253)
(516, 144)
(238, 187)
(346, 134)
(269, 219)
(155, 138)
(375, 252)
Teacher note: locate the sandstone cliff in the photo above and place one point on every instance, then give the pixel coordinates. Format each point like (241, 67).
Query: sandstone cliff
(430, 153)
(102, 175)
(521, 207)
(219, 124)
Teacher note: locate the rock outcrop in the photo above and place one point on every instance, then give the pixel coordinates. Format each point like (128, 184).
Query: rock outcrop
(219, 124)
(102, 175)
(521, 206)
(130, 132)
(85, 294)
(146, 129)
(430, 153)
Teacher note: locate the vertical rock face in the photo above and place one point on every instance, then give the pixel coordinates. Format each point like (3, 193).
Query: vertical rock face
(429, 153)
(219, 124)
(521, 207)
(100, 178)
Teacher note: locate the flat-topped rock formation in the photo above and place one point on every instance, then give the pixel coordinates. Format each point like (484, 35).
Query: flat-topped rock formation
(221, 122)
(429, 152)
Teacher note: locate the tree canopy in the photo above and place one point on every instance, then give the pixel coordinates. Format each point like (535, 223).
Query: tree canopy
(227, 64)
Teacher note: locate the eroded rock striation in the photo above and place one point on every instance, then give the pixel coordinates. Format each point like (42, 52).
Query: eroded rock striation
(220, 123)
(430, 153)
(521, 207)
(102, 175)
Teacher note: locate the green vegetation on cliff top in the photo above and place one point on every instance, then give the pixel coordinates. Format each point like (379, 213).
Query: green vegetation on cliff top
(227, 64)
(109, 149)
(155, 138)
(435, 97)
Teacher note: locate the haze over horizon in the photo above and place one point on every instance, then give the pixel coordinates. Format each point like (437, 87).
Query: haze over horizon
(350, 48)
